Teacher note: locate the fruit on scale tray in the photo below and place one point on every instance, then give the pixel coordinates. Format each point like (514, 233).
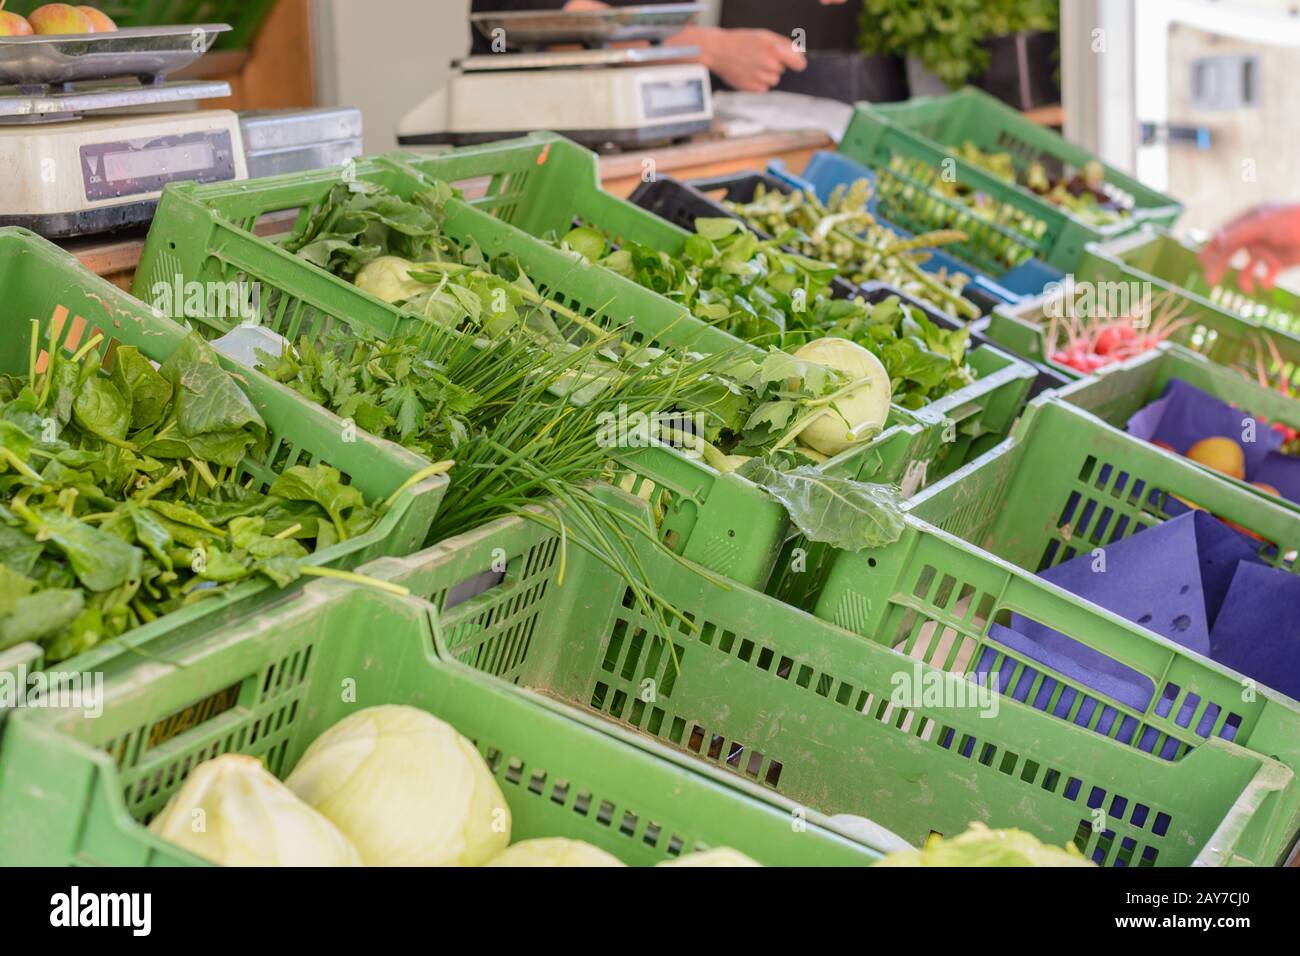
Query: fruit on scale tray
(12, 25)
(100, 22)
(56, 19)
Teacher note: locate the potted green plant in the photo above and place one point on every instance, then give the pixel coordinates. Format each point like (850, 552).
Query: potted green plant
(1007, 47)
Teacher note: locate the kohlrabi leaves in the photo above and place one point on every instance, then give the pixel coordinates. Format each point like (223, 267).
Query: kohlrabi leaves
(844, 513)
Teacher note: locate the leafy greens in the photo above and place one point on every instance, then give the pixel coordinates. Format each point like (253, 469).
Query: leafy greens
(121, 498)
(753, 289)
(517, 387)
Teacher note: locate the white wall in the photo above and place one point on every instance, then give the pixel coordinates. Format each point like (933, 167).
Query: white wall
(384, 56)
(1106, 95)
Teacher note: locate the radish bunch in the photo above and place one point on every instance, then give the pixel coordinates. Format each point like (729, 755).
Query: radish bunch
(1088, 345)
(1282, 383)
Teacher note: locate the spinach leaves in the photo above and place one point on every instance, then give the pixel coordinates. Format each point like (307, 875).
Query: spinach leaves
(120, 498)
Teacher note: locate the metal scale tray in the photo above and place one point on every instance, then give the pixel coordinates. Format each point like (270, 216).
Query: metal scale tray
(528, 28)
(567, 59)
(149, 53)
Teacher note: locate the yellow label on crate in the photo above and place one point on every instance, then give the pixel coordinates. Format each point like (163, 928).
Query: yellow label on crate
(193, 715)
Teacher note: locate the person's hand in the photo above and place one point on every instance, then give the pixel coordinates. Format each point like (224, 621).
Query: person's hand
(751, 61)
(584, 5)
(1269, 234)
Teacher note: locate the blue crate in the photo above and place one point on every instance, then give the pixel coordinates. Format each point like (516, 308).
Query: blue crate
(826, 170)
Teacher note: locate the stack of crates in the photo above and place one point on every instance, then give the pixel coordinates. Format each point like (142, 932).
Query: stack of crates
(914, 149)
(716, 717)
(810, 709)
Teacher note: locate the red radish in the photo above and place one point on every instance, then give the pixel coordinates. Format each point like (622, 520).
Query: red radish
(1087, 346)
(1106, 340)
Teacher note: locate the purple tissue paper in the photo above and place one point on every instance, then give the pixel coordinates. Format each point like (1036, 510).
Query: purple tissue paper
(1282, 472)
(1185, 414)
(1192, 580)
(1258, 628)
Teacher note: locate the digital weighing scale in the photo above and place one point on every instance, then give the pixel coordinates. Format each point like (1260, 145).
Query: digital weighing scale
(607, 95)
(78, 155)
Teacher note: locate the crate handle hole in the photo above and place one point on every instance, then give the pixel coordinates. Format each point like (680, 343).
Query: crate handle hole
(474, 586)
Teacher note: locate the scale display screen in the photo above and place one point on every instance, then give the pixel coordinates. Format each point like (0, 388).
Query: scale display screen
(142, 163)
(672, 98)
(130, 167)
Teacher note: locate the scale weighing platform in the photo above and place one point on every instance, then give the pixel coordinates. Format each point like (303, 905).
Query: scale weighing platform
(90, 129)
(607, 95)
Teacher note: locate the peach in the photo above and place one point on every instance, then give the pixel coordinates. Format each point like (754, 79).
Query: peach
(99, 22)
(57, 19)
(12, 25)
(1221, 454)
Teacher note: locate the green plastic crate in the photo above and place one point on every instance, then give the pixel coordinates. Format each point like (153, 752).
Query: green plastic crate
(229, 234)
(1222, 335)
(909, 145)
(1156, 252)
(722, 521)
(802, 707)
(41, 281)
(544, 183)
(243, 16)
(1119, 391)
(75, 790)
(1064, 484)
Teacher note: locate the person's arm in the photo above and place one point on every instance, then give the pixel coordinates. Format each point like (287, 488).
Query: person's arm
(1270, 236)
(751, 61)
(499, 6)
(748, 60)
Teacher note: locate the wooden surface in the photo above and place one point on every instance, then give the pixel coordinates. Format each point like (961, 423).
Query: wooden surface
(1047, 115)
(621, 173)
(277, 72)
(114, 257)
